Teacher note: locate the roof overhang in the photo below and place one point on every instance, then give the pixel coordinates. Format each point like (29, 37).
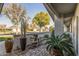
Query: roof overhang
(59, 9)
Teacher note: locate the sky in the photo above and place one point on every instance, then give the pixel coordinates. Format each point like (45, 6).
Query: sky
(31, 8)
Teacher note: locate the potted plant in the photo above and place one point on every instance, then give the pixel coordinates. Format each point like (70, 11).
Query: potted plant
(60, 45)
(23, 35)
(8, 44)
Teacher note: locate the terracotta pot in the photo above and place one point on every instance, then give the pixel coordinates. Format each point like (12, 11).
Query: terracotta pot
(55, 52)
(8, 46)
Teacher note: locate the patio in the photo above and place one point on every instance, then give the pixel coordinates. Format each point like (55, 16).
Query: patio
(40, 50)
(65, 17)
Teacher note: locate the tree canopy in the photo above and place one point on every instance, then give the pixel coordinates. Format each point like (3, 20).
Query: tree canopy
(14, 12)
(41, 19)
(51, 28)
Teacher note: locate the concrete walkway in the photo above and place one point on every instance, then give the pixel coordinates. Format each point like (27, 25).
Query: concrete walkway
(2, 48)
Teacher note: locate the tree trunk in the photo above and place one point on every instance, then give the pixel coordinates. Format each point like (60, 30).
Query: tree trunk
(17, 29)
(40, 29)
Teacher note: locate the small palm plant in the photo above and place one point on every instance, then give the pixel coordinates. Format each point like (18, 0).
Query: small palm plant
(60, 45)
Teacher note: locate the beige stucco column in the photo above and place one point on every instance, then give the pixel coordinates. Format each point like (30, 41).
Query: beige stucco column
(59, 26)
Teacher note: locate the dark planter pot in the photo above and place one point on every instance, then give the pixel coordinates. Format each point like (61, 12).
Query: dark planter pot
(8, 46)
(23, 43)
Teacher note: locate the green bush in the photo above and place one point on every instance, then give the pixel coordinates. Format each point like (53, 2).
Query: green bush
(6, 38)
(61, 42)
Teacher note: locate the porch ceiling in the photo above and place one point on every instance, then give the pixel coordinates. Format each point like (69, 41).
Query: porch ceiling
(66, 10)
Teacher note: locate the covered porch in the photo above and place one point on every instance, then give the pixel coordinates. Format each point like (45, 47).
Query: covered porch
(65, 17)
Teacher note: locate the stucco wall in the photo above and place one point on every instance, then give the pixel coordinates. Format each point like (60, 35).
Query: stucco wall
(74, 32)
(74, 29)
(59, 27)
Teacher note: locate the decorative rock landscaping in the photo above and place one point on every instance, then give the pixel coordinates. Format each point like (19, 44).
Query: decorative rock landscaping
(39, 51)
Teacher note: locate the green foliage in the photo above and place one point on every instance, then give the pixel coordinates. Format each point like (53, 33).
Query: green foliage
(46, 36)
(11, 12)
(6, 31)
(6, 38)
(62, 43)
(15, 13)
(41, 19)
(51, 29)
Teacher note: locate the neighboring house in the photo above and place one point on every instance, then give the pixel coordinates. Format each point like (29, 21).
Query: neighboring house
(15, 29)
(2, 26)
(4, 29)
